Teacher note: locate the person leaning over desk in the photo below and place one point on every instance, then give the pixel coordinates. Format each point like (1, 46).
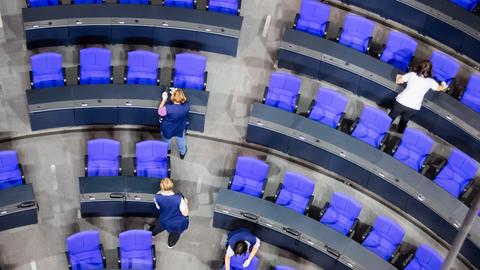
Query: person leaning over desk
(409, 101)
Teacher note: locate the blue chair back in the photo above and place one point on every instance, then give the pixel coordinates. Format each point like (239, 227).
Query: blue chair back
(47, 70)
(373, 126)
(10, 174)
(142, 67)
(82, 2)
(224, 6)
(426, 258)
(357, 32)
(471, 96)
(95, 66)
(313, 17)
(250, 176)
(152, 159)
(136, 249)
(414, 149)
(469, 5)
(296, 192)
(384, 238)
(283, 91)
(329, 107)
(84, 250)
(444, 67)
(341, 213)
(399, 50)
(190, 71)
(180, 3)
(137, 2)
(103, 157)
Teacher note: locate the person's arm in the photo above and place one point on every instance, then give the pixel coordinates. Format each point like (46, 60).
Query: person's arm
(399, 79)
(164, 101)
(227, 262)
(184, 207)
(441, 87)
(252, 253)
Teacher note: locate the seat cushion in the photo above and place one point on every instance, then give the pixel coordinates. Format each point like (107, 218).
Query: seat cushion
(137, 259)
(188, 81)
(87, 260)
(325, 115)
(153, 169)
(451, 181)
(354, 41)
(282, 99)
(396, 59)
(248, 186)
(380, 246)
(471, 101)
(229, 7)
(367, 135)
(10, 179)
(337, 220)
(293, 201)
(103, 168)
(311, 26)
(410, 157)
(180, 3)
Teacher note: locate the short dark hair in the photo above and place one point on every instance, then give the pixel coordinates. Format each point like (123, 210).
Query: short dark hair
(424, 69)
(240, 248)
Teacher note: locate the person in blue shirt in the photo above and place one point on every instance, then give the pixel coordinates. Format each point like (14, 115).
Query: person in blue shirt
(174, 118)
(173, 216)
(242, 246)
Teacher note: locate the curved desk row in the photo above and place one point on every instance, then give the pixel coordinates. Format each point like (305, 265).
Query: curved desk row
(132, 24)
(118, 196)
(113, 104)
(297, 233)
(441, 20)
(369, 167)
(369, 77)
(17, 207)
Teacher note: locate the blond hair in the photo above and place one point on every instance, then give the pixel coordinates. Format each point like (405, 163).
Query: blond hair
(179, 96)
(166, 184)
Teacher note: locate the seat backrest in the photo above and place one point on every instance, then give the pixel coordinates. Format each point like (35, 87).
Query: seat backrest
(359, 25)
(46, 63)
(389, 230)
(298, 184)
(83, 241)
(286, 82)
(331, 100)
(251, 168)
(95, 59)
(8, 161)
(151, 150)
(314, 11)
(473, 86)
(345, 205)
(401, 44)
(426, 258)
(375, 119)
(143, 60)
(444, 67)
(190, 64)
(144, 2)
(135, 240)
(417, 141)
(462, 164)
(87, 1)
(103, 149)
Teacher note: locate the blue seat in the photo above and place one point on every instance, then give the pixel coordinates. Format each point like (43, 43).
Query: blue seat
(180, 3)
(250, 176)
(457, 174)
(43, 3)
(152, 159)
(413, 149)
(444, 68)
(399, 50)
(190, 71)
(137, 2)
(341, 214)
(328, 107)
(136, 250)
(142, 68)
(47, 70)
(95, 66)
(84, 251)
(384, 238)
(313, 18)
(10, 170)
(372, 127)
(225, 6)
(469, 5)
(283, 91)
(296, 192)
(425, 258)
(471, 94)
(82, 2)
(356, 33)
(283, 267)
(103, 158)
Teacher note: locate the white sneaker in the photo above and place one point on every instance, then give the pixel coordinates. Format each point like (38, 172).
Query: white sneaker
(170, 247)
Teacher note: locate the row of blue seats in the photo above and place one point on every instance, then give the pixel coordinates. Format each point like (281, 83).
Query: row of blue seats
(222, 6)
(11, 173)
(371, 127)
(340, 214)
(151, 158)
(95, 68)
(470, 5)
(399, 50)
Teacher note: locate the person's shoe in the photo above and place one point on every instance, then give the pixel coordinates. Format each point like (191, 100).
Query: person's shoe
(183, 156)
(170, 247)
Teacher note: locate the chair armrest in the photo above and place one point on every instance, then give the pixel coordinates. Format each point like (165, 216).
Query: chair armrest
(125, 74)
(297, 16)
(30, 73)
(467, 188)
(383, 141)
(119, 258)
(207, 4)
(324, 209)
(407, 260)
(154, 256)
(230, 182)
(205, 81)
(340, 121)
(27, 3)
(369, 43)
(395, 146)
(135, 166)
(472, 6)
(440, 166)
(264, 186)
(461, 93)
(476, 9)
(86, 165)
(327, 26)
(159, 71)
(451, 86)
(352, 230)
(277, 192)
(104, 259)
(78, 74)
(366, 233)
(239, 7)
(381, 51)
(69, 263)
(64, 74)
(172, 77)
(354, 125)
(194, 4)
(310, 201)
(425, 161)
(21, 172)
(163, 2)
(310, 108)
(296, 103)
(169, 163)
(395, 254)
(111, 73)
(265, 92)
(339, 34)
(120, 165)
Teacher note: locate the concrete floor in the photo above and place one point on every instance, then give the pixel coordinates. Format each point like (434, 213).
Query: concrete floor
(53, 159)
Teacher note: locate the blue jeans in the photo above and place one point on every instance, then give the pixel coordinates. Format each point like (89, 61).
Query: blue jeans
(181, 143)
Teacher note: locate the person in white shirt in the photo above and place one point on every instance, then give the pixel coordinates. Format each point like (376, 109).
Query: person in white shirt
(409, 101)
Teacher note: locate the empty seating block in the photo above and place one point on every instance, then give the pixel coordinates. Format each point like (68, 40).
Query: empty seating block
(43, 3)
(414, 149)
(250, 176)
(190, 71)
(138, 2)
(47, 70)
(444, 67)
(10, 170)
(328, 107)
(142, 68)
(399, 50)
(136, 250)
(372, 126)
(457, 175)
(471, 95)
(469, 5)
(296, 192)
(224, 6)
(384, 238)
(84, 251)
(313, 18)
(356, 33)
(103, 158)
(152, 159)
(180, 3)
(95, 66)
(283, 91)
(77, 2)
(341, 214)
(425, 258)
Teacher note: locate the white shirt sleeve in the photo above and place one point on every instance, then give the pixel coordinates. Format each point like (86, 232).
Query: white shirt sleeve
(434, 85)
(156, 204)
(230, 252)
(183, 206)
(407, 76)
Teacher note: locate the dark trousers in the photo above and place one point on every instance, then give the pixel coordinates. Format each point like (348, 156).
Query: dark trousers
(406, 114)
(173, 237)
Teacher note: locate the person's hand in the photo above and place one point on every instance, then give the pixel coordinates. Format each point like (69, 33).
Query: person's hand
(247, 262)
(444, 86)
(186, 201)
(173, 89)
(164, 95)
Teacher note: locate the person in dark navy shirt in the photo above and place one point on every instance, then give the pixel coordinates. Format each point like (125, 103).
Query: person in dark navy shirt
(242, 246)
(174, 118)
